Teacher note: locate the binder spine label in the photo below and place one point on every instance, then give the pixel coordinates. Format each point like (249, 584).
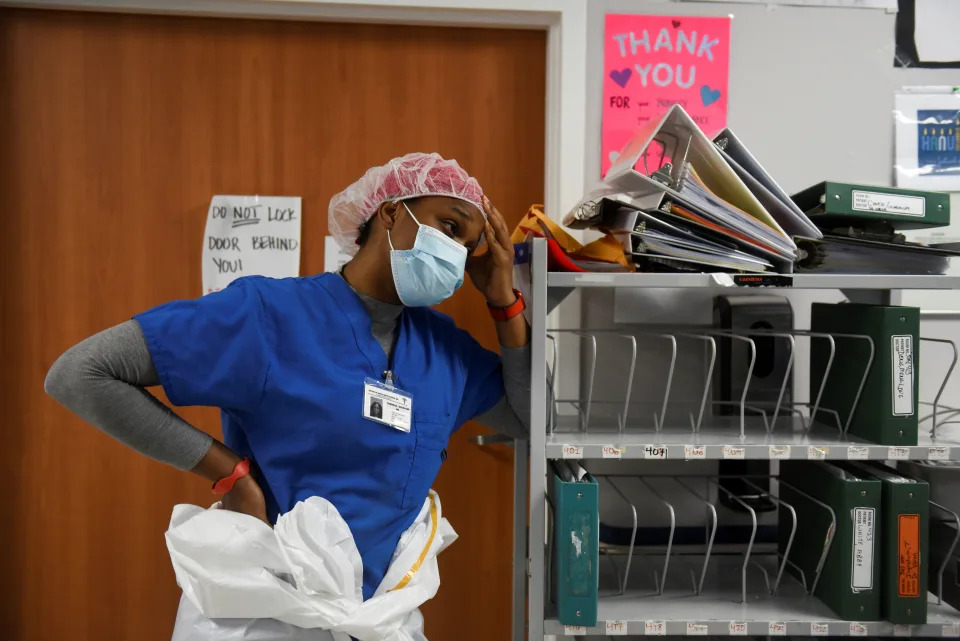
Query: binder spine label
(902, 355)
(889, 203)
(908, 574)
(861, 578)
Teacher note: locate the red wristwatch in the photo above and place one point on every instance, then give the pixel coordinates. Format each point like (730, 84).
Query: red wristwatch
(225, 484)
(511, 310)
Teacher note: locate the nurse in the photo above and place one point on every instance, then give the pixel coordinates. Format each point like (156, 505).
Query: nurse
(345, 386)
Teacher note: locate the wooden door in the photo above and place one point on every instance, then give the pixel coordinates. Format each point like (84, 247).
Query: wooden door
(115, 131)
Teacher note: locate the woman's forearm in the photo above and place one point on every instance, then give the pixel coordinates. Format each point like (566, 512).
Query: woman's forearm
(103, 379)
(511, 415)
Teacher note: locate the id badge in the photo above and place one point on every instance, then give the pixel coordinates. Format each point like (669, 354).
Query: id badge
(388, 405)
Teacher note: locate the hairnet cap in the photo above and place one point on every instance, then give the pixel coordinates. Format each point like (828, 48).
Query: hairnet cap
(409, 176)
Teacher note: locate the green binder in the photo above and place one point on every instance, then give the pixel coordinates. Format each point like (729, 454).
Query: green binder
(904, 542)
(887, 410)
(832, 204)
(577, 550)
(850, 581)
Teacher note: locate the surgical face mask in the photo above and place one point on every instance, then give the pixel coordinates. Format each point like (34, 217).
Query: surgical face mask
(429, 272)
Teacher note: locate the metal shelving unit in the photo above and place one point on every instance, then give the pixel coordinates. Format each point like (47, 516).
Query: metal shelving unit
(720, 610)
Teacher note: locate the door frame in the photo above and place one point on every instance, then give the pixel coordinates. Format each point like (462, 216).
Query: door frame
(565, 22)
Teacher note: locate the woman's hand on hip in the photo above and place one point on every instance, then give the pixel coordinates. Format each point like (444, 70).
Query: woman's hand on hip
(492, 271)
(246, 497)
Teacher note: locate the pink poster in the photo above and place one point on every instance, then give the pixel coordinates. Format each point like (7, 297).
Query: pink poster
(653, 62)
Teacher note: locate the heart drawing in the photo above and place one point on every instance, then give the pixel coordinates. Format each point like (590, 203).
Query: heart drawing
(709, 96)
(676, 24)
(621, 77)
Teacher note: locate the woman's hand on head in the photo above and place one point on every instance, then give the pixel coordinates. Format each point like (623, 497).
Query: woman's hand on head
(246, 497)
(492, 271)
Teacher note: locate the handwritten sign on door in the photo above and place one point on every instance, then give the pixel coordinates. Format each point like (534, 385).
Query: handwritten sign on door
(651, 63)
(250, 235)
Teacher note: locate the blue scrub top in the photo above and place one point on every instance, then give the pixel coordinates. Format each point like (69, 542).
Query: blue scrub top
(286, 360)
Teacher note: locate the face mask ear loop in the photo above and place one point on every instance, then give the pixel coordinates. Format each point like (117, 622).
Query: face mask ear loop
(411, 216)
(411, 213)
(389, 240)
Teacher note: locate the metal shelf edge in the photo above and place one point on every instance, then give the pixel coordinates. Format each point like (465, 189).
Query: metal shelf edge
(735, 627)
(746, 451)
(724, 281)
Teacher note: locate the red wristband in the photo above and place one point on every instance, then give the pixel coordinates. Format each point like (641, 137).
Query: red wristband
(508, 312)
(225, 484)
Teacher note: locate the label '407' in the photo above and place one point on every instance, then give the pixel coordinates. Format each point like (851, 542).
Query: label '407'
(655, 451)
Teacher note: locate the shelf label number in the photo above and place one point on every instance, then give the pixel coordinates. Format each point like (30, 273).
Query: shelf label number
(572, 630)
(694, 452)
(858, 629)
(819, 629)
(731, 452)
(616, 628)
(858, 453)
(902, 631)
(779, 452)
(952, 630)
(655, 628)
(655, 451)
(777, 629)
(613, 451)
(898, 453)
(815, 453)
(938, 454)
(696, 630)
(738, 629)
(572, 451)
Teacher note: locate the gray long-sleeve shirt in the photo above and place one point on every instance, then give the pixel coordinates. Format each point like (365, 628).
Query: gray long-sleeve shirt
(103, 379)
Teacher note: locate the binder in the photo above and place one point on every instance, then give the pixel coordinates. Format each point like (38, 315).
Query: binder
(904, 540)
(576, 549)
(850, 580)
(764, 187)
(887, 409)
(839, 255)
(830, 204)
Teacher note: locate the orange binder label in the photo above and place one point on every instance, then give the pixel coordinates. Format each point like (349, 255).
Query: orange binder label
(908, 535)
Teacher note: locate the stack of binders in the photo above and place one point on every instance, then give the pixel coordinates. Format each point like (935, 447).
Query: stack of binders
(680, 202)
(861, 227)
(699, 213)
